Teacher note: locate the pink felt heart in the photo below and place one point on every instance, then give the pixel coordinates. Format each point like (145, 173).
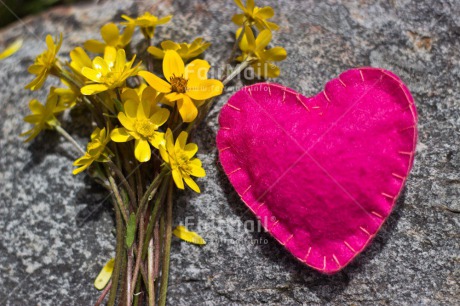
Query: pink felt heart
(321, 173)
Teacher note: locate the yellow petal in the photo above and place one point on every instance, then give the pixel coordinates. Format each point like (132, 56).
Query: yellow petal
(11, 49)
(275, 54)
(142, 150)
(204, 89)
(181, 141)
(91, 74)
(110, 34)
(191, 183)
(169, 141)
(101, 65)
(79, 59)
(190, 149)
(238, 19)
(183, 233)
(36, 107)
(265, 13)
(197, 171)
(126, 121)
(164, 20)
(239, 3)
(170, 45)
(154, 81)
(177, 177)
(94, 46)
(157, 139)
(156, 52)
(250, 5)
(104, 276)
(187, 109)
(93, 89)
(173, 65)
(127, 34)
(120, 135)
(263, 39)
(120, 61)
(163, 153)
(160, 117)
(130, 107)
(197, 70)
(143, 110)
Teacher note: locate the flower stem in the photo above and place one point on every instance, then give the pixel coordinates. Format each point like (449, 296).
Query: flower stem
(119, 255)
(103, 294)
(67, 136)
(236, 71)
(167, 248)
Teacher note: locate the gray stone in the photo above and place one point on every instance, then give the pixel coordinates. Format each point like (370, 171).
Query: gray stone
(57, 229)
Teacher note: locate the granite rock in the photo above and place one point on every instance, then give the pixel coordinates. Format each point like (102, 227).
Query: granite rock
(57, 229)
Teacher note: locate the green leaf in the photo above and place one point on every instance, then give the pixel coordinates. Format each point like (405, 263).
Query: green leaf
(131, 230)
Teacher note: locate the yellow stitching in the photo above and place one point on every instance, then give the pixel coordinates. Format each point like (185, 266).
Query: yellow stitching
(364, 230)
(300, 100)
(398, 176)
(405, 153)
(327, 98)
(287, 240)
(342, 82)
(222, 150)
(336, 260)
(349, 246)
(234, 107)
(377, 214)
(225, 128)
(284, 94)
(308, 253)
(250, 91)
(388, 196)
(361, 73)
(247, 189)
(407, 128)
(324, 264)
(234, 171)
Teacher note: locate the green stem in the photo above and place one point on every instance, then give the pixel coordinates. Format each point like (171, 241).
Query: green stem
(67, 136)
(149, 193)
(119, 201)
(125, 183)
(167, 248)
(237, 71)
(119, 252)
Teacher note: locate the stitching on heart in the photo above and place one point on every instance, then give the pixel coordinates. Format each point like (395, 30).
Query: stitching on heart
(392, 198)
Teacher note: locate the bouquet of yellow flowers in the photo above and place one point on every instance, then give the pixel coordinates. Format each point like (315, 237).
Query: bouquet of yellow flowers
(140, 148)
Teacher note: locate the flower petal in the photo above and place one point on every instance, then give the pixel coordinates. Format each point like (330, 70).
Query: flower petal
(265, 13)
(110, 34)
(92, 89)
(187, 109)
(142, 150)
(157, 139)
(11, 49)
(126, 121)
(263, 39)
(177, 177)
(94, 46)
(181, 141)
(191, 183)
(275, 54)
(91, 74)
(238, 19)
(173, 65)
(197, 70)
(204, 89)
(120, 135)
(154, 81)
(160, 117)
(156, 52)
(190, 149)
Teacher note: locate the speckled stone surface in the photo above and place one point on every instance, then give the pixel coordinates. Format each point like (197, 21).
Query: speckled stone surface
(57, 229)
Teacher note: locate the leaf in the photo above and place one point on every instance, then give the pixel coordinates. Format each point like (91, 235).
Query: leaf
(11, 49)
(104, 276)
(183, 233)
(131, 230)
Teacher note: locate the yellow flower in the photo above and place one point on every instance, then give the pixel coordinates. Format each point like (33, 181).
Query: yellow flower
(254, 49)
(95, 151)
(141, 124)
(67, 97)
(42, 117)
(79, 60)
(112, 37)
(45, 63)
(146, 23)
(253, 15)
(108, 72)
(143, 93)
(179, 157)
(11, 49)
(184, 84)
(185, 51)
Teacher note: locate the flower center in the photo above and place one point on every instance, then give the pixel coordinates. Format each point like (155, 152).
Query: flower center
(178, 84)
(144, 127)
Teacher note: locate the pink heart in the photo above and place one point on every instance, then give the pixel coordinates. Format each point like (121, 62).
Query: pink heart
(321, 173)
